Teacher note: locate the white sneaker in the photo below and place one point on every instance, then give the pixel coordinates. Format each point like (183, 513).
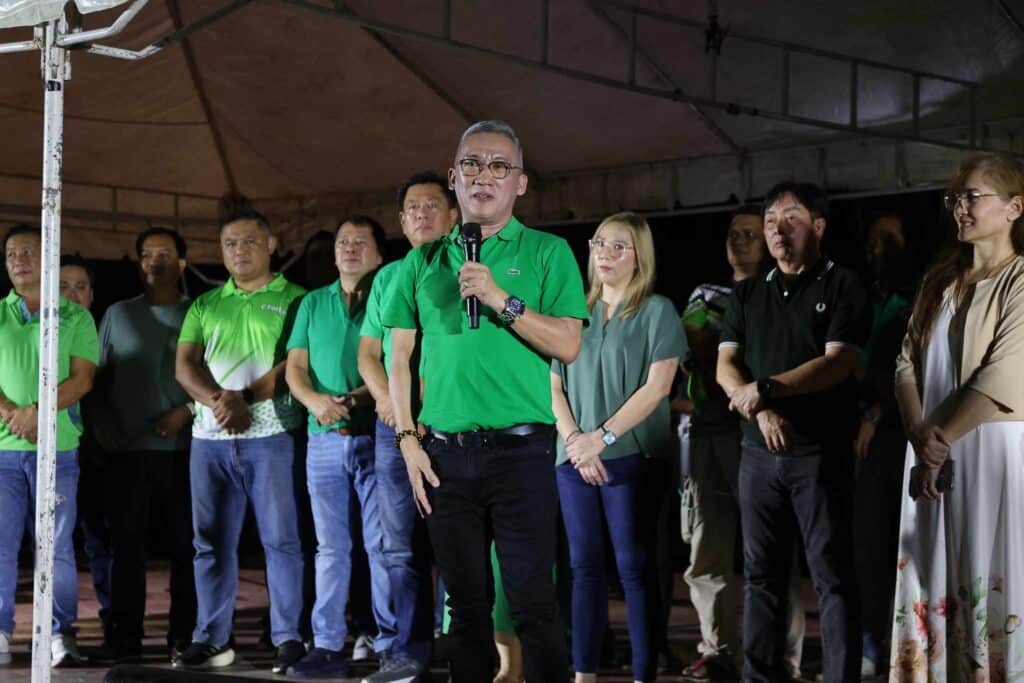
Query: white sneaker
(363, 648)
(64, 652)
(5, 648)
(868, 669)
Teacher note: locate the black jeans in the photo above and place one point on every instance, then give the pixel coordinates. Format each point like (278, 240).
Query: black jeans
(500, 487)
(876, 531)
(138, 483)
(659, 517)
(781, 496)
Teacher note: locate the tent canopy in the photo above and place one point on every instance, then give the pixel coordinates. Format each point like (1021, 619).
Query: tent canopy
(313, 108)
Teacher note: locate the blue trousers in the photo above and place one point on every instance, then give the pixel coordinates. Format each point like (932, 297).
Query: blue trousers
(585, 509)
(17, 509)
(225, 476)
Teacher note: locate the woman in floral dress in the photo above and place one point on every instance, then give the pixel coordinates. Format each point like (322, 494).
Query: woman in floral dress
(960, 387)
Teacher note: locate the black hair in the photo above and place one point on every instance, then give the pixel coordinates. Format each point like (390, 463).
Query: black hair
(426, 178)
(179, 242)
(747, 210)
(367, 222)
(812, 197)
(245, 215)
(22, 229)
(319, 236)
(76, 260)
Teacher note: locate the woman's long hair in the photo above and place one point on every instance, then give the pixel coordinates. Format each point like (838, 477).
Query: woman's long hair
(642, 283)
(1007, 177)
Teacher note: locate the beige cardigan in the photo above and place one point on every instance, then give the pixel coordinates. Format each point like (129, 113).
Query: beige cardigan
(992, 358)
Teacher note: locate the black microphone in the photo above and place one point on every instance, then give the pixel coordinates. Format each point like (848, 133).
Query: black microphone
(471, 238)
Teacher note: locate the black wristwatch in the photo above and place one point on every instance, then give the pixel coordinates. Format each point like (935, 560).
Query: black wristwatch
(766, 387)
(514, 309)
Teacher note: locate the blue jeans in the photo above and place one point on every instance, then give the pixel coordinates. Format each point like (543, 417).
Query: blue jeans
(336, 467)
(584, 509)
(406, 552)
(17, 509)
(225, 476)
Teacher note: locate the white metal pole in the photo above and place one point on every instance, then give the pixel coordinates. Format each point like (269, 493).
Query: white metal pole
(54, 63)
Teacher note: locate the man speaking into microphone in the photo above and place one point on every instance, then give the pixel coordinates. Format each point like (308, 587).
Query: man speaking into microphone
(485, 468)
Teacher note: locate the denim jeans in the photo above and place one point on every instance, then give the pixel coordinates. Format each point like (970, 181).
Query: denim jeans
(498, 487)
(586, 509)
(225, 476)
(17, 510)
(781, 496)
(338, 466)
(407, 553)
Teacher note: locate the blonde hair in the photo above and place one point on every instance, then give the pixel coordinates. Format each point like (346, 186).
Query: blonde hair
(641, 285)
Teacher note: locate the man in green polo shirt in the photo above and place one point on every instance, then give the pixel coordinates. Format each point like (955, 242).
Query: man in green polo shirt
(323, 374)
(488, 460)
(19, 392)
(230, 360)
(428, 213)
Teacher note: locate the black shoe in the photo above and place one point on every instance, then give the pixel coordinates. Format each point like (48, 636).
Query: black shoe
(288, 652)
(115, 653)
(320, 663)
(176, 647)
(204, 656)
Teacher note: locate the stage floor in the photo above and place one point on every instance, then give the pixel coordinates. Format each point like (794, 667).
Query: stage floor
(254, 661)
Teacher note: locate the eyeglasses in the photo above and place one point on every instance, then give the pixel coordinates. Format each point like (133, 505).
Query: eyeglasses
(472, 167)
(618, 249)
(968, 198)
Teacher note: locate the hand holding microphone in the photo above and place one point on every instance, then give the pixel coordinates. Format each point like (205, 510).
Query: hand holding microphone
(476, 283)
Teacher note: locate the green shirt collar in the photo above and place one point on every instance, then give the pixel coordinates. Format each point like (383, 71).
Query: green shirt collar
(276, 284)
(511, 232)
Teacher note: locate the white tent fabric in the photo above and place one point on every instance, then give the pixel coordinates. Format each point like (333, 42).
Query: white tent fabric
(291, 103)
(15, 13)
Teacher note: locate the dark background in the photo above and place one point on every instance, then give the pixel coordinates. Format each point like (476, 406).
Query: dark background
(690, 249)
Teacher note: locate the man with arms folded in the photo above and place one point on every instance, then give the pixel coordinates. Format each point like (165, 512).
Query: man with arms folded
(428, 213)
(230, 359)
(789, 345)
(147, 442)
(486, 469)
(19, 417)
(323, 374)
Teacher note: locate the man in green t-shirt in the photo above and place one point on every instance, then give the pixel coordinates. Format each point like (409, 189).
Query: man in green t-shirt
(19, 393)
(323, 374)
(230, 360)
(488, 457)
(428, 213)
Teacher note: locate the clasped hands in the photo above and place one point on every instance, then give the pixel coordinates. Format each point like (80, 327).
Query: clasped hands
(584, 451)
(931, 447)
(23, 422)
(778, 432)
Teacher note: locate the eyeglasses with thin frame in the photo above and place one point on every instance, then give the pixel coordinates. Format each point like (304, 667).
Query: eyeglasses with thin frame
(471, 167)
(953, 200)
(617, 249)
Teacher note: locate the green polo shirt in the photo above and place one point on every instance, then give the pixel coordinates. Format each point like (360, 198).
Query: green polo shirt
(778, 325)
(383, 286)
(244, 335)
(486, 378)
(329, 331)
(614, 361)
(19, 363)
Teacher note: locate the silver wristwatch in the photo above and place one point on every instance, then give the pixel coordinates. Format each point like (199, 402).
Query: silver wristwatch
(608, 436)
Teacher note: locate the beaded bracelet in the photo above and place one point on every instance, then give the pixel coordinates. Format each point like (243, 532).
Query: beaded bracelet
(407, 432)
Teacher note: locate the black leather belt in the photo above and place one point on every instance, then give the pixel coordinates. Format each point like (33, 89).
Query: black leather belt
(482, 435)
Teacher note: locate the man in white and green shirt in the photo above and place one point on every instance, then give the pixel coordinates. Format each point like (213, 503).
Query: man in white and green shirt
(19, 394)
(230, 360)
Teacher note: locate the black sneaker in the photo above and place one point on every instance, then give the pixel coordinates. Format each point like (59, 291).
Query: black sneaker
(288, 653)
(397, 671)
(204, 656)
(320, 663)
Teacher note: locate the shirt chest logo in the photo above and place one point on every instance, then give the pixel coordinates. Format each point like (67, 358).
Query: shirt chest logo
(512, 271)
(820, 308)
(275, 309)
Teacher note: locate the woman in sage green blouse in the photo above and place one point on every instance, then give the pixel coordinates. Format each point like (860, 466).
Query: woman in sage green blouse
(611, 407)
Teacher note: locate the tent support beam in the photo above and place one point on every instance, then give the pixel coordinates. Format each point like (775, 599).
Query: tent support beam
(732, 108)
(663, 74)
(204, 101)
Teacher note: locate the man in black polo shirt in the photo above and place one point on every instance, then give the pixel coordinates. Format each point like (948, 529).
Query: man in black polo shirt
(790, 342)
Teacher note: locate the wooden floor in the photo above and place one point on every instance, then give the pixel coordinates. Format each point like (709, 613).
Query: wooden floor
(254, 661)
